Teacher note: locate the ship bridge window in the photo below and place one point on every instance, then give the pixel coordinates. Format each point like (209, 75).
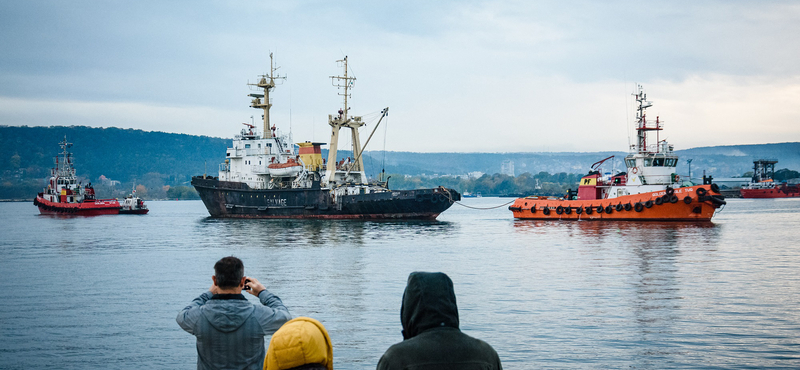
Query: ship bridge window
(648, 162)
(246, 146)
(658, 162)
(630, 162)
(672, 162)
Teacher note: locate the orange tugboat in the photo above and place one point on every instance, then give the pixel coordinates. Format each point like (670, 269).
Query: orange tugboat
(649, 190)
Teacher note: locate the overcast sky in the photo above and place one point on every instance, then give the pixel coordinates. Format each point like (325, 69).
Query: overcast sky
(464, 76)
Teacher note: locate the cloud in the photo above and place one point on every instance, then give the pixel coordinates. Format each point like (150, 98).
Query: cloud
(197, 120)
(458, 75)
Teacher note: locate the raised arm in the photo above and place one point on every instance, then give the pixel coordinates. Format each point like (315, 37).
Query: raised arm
(273, 314)
(188, 316)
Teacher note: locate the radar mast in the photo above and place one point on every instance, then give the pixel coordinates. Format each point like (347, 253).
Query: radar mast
(267, 83)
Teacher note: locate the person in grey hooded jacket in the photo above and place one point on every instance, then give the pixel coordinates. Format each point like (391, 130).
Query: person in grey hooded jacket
(431, 338)
(229, 329)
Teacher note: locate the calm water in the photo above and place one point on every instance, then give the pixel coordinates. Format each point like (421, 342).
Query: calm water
(103, 292)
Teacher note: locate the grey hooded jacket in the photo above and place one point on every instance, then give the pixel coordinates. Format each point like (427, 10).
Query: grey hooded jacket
(230, 330)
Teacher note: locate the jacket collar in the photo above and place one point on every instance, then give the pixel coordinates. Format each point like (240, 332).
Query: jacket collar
(229, 296)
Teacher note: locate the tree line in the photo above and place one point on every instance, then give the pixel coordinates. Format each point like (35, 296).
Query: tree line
(542, 183)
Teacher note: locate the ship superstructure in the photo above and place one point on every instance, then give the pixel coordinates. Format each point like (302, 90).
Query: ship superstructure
(268, 176)
(650, 166)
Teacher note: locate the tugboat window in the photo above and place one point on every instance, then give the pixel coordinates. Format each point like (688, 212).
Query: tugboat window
(648, 162)
(658, 161)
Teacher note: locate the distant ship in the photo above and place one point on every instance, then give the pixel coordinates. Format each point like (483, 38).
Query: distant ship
(763, 184)
(648, 190)
(133, 205)
(64, 195)
(266, 176)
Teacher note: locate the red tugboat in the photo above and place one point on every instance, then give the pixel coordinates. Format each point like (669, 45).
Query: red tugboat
(648, 191)
(65, 196)
(764, 185)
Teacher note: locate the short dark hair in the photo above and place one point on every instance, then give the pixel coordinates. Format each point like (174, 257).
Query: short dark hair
(229, 272)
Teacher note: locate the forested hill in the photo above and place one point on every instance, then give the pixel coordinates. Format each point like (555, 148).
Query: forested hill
(160, 160)
(719, 161)
(119, 154)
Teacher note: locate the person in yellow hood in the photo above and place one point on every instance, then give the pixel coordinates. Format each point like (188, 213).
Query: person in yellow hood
(301, 343)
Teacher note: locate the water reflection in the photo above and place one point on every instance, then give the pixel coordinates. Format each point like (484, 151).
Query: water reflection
(303, 233)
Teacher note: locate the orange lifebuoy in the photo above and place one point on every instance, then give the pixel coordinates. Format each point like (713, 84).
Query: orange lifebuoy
(635, 170)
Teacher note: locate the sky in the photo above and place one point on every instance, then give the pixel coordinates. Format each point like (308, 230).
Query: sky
(458, 76)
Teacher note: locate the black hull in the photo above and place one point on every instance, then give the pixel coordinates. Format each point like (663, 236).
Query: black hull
(237, 200)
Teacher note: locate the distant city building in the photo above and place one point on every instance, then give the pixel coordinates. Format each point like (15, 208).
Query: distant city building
(108, 182)
(475, 174)
(507, 168)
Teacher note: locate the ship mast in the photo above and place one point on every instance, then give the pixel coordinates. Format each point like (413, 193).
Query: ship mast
(64, 169)
(641, 121)
(341, 120)
(267, 83)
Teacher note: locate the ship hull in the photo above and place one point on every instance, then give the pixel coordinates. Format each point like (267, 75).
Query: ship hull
(237, 200)
(90, 208)
(770, 193)
(133, 211)
(685, 204)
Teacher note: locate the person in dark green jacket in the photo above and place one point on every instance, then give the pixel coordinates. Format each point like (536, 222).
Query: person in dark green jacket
(431, 338)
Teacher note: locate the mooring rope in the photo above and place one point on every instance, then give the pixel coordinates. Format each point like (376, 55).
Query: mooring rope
(483, 209)
(450, 198)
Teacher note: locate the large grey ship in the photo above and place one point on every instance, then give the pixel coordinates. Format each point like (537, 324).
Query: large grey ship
(267, 176)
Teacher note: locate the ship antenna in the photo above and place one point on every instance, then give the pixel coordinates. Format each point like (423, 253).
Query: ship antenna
(267, 83)
(344, 120)
(345, 83)
(627, 121)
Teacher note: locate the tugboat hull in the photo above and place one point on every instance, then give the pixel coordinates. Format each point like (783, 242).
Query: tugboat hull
(237, 200)
(776, 192)
(697, 203)
(90, 208)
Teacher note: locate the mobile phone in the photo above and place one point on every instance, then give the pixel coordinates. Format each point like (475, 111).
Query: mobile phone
(246, 281)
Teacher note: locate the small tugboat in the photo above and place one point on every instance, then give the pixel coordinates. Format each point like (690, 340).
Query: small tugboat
(763, 184)
(265, 176)
(64, 195)
(649, 190)
(133, 205)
